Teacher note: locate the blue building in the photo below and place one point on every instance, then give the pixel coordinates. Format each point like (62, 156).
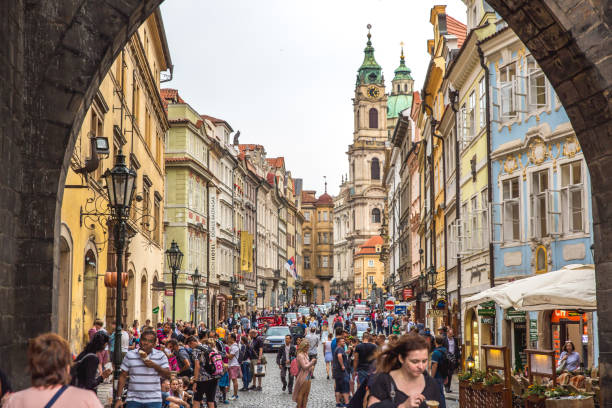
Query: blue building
(541, 218)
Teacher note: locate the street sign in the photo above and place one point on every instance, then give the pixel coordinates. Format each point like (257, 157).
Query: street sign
(389, 305)
(169, 292)
(533, 330)
(407, 293)
(156, 309)
(486, 312)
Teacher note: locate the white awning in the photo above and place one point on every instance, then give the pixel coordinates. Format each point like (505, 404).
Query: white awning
(572, 287)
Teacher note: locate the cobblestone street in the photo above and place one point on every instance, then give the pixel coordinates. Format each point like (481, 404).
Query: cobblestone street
(272, 396)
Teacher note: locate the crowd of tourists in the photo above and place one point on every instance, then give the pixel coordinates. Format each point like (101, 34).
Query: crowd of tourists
(395, 362)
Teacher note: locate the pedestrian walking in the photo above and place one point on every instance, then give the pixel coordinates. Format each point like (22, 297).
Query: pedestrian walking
(145, 368)
(234, 366)
(439, 366)
(401, 370)
(454, 356)
(206, 373)
(49, 361)
(85, 371)
(327, 351)
(244, 360)
(257, 360)
(341, 373)
(364, 355)
(284, 357)
(313, 341)
(302, 381)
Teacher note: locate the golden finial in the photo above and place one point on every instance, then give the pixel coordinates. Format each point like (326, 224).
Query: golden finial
(369, 27)
(402, 45)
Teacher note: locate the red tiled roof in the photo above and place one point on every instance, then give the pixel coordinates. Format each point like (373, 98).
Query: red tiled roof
(217, 121)
(170, 95)
(308, 196)
(369, 247)
(457, 28)
(325, 199)
(249, 147)
(276, 162)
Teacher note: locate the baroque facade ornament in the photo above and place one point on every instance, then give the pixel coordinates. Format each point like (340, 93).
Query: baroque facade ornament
(537, 151)
(510, 164)
(571, 147)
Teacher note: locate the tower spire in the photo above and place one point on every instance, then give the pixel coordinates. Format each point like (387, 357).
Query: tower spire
(325, 177)
(402, 72)
(369, 72)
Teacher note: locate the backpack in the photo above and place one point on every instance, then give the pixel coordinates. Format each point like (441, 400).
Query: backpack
(74, 371)
(242, 353)
(443, 365)
(294, 369)
(214, 364)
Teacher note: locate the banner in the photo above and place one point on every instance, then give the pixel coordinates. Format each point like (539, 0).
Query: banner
(212, 233)
(244, 251)
(250, 254)
(290, 266)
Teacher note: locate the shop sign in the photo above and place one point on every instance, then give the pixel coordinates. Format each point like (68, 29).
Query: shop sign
(487, 320)
(486, 312)
(435, 312)
(407, 293)
(515, 315)
(440, 303)
(533, 330)
(488, 305)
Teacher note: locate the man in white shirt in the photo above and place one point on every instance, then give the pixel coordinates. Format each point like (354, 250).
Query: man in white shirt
(234, 366)
(145, 368)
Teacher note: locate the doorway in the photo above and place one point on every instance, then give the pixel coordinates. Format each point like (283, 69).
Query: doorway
(90, 293)
(64, 288)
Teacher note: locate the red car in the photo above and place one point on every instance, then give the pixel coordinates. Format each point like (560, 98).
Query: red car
(270, 321)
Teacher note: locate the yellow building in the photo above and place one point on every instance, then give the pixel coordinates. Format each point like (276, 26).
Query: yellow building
(128, 112)
(368, 268)
(449, 34)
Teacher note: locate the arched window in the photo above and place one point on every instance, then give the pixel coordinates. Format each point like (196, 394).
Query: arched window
(405, 87)
(376, 216)
(541, 260)
(375, 169)
(398, 88)
(373, 118)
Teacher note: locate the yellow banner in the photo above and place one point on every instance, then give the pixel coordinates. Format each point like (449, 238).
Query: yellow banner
(244, 251)
(250, 250)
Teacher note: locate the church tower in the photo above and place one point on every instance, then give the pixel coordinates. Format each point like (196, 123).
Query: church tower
(401, 93)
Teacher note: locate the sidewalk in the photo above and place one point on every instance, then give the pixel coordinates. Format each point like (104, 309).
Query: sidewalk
(454, 395)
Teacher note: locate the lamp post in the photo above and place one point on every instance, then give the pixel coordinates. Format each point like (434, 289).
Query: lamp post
(196, 284)
(470, 363)
(120, 186)
(264, 286)
(233, 291)
(373, 294)
(284, 293)
(175, 259)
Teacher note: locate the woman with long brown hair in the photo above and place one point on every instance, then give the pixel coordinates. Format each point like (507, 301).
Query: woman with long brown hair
(49, 362)
(401, 378)
(301, 388)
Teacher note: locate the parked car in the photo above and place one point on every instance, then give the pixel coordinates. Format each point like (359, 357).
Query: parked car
(275, 338)
(270, 321)
(297, 332)
(304, 311)
(291, 317)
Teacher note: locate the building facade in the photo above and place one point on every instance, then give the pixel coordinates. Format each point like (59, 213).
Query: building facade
(127, 111)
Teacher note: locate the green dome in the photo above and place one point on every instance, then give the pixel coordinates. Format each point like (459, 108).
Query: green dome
(397, 103)
(369, 72)
(402, 72)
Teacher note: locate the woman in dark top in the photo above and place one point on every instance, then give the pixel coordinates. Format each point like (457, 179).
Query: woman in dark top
(87, 363)
(401, 379)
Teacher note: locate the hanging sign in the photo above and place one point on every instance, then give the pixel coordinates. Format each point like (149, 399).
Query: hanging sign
(486, 312)
(407, 293)
(487, 320)
(533, 330)
(156, 309)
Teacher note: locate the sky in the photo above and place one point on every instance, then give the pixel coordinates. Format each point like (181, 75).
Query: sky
(283, 71)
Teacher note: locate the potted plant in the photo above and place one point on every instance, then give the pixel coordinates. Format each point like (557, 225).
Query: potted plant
(493, 382)
(535, 393)
(477, 379)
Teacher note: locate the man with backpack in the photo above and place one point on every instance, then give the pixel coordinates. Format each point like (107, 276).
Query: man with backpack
(257, 344)
(440, 366)
(207, 371)
(286, 354)
(182, 357)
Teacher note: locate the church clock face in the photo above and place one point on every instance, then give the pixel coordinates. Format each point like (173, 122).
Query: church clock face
(373, 92)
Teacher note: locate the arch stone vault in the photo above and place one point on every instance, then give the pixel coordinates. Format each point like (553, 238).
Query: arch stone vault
(56, 54)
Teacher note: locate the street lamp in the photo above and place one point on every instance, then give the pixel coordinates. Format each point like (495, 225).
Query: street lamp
(470, 363)
(284, 293)
(120, 186)
(431, 275)
(175, 259)
(264, 286)
(196, 284)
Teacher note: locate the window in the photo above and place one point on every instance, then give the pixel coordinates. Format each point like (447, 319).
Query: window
(511, 212)
(462, 126)
(371, 263)
(157, 221)
(373, 119)
(307, 238)
(376, 215)
(539, 203)
(146, 210)
(307, 215)
(536, 80)
(541, 260)
(375, 169)
(484, 217)
(507, 89)
(572, 192)
(97, 130)
(475, 232)
(135, 103)
(370, 280)
(324, 216)
(148, 129)
(482, 93)
(324, 261)
(472, 115)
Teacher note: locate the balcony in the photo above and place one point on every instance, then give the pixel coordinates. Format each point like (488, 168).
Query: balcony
(324, 273)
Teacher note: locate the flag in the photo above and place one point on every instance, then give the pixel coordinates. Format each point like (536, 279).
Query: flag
(290, 266)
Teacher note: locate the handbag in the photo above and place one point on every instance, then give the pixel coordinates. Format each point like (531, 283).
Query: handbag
(562, 366)
(56, 396)
(260, 370)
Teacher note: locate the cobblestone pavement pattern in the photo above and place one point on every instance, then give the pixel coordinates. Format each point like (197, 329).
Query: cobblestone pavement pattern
(272, 396)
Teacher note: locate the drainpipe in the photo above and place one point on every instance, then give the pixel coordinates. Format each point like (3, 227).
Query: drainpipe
(458, 216)
(208, 256)
(489, 181)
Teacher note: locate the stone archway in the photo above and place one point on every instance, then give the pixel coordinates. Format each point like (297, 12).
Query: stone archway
(58, 52)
